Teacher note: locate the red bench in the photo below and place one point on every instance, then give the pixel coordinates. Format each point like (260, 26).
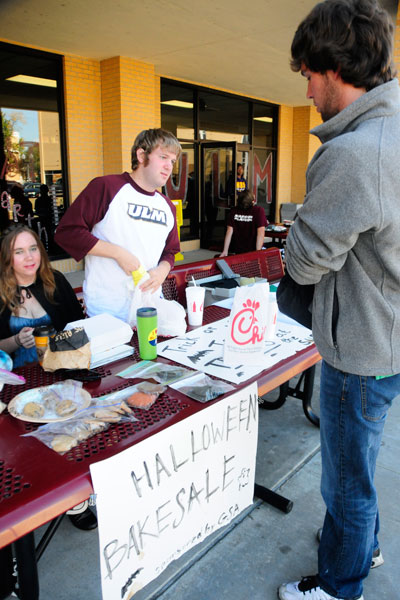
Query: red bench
(261, 263)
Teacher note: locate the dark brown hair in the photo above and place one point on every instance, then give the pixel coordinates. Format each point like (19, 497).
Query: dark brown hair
(245, 199)
(354, 37)
(9, 293)
(149, 139)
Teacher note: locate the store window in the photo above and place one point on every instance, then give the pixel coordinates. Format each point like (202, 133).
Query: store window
(206, 123)
(32, 141)
(223, 118)
(177, 111)
(263, 125)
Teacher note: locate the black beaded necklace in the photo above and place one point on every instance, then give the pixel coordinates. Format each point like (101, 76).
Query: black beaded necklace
(28, 293)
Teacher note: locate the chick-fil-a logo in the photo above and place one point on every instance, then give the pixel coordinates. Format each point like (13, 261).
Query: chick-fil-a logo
(197, 307)
(245, 328)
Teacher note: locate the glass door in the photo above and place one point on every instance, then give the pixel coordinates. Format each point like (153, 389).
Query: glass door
(183, 185)
(218, 191)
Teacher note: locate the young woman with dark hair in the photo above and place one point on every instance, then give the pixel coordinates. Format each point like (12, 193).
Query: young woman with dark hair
(31, 294)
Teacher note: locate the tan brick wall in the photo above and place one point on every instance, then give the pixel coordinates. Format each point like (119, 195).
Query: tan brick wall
(315, 119)
(111, 112)
(301, 141)
(285, 154)
(130, 103)
(397, 43)
(82, 92)
(140, 91)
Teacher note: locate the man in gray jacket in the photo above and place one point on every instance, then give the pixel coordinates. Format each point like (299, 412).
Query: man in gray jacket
(346, 241)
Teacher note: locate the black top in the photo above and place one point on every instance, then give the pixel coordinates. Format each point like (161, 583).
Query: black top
(64, 308)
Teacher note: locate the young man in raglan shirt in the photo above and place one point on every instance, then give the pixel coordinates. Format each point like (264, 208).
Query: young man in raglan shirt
(119, 222)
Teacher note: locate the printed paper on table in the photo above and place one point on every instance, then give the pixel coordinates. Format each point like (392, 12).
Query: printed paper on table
(203, 349)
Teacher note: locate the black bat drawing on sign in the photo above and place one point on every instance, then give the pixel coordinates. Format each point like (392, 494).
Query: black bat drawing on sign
(199, 355)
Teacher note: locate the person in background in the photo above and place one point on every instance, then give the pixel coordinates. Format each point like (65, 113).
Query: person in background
(33, 294)
(241, 183)
(43, 204)
(23, 209)
(246, 226)
(346, 241)
(120, 222)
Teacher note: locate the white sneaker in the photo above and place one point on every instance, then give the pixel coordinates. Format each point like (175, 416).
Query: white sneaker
(306, 589)
(377, 559)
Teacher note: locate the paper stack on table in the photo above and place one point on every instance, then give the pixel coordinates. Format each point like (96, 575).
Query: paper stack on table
(109, 338)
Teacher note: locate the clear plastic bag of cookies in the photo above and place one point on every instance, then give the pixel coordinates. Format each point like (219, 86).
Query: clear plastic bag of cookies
(65, 435)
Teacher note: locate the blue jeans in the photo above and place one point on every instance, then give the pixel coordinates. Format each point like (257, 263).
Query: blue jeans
(353, 411)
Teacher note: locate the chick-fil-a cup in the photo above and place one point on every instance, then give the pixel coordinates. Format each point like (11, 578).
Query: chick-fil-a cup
(195, 304)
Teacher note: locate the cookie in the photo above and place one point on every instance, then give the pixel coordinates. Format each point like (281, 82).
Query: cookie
(65, 408)
(50, 400)
(34, 410)
(107, 415)
(63, 443)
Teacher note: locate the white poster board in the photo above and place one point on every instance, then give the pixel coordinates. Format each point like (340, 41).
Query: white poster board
(203, 349)
(161, 497)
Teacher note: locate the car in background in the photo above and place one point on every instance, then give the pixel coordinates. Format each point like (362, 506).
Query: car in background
(31, 189)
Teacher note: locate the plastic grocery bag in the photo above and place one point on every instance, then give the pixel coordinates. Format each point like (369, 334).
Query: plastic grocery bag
(8, 377)
(171, 316)
(248, 324)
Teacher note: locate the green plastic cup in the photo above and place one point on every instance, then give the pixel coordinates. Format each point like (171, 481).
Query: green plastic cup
(146, 320)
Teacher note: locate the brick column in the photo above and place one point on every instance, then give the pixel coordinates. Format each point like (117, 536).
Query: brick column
(130, 102)
(82, 95)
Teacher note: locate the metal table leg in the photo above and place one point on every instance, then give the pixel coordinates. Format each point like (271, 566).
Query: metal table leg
(280, 401)
(303, 390)
(27, 574)
(48, 535)
(7, 578)
(308, 387)
(18, 564)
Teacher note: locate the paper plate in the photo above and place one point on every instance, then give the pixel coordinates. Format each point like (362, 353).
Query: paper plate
(81, 397)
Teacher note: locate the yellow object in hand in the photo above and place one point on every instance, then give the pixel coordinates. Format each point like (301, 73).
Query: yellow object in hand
(140, 275)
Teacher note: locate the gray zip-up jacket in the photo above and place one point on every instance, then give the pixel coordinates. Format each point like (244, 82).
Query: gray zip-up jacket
(346, 237)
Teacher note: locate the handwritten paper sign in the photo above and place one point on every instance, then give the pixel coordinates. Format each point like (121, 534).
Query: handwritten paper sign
(161, 497)
(203, 349)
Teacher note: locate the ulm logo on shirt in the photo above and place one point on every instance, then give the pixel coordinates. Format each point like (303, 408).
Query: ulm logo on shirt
(145, 213)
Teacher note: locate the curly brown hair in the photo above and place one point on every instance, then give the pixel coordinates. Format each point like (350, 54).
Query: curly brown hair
(354, 37)
(9, 289)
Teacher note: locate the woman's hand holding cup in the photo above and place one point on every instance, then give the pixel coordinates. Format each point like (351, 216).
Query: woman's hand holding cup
(25, 337)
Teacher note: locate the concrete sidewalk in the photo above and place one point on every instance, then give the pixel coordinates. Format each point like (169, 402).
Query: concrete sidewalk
(261, 549)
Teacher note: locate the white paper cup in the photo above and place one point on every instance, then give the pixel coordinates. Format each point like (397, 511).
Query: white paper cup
(195, 304)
